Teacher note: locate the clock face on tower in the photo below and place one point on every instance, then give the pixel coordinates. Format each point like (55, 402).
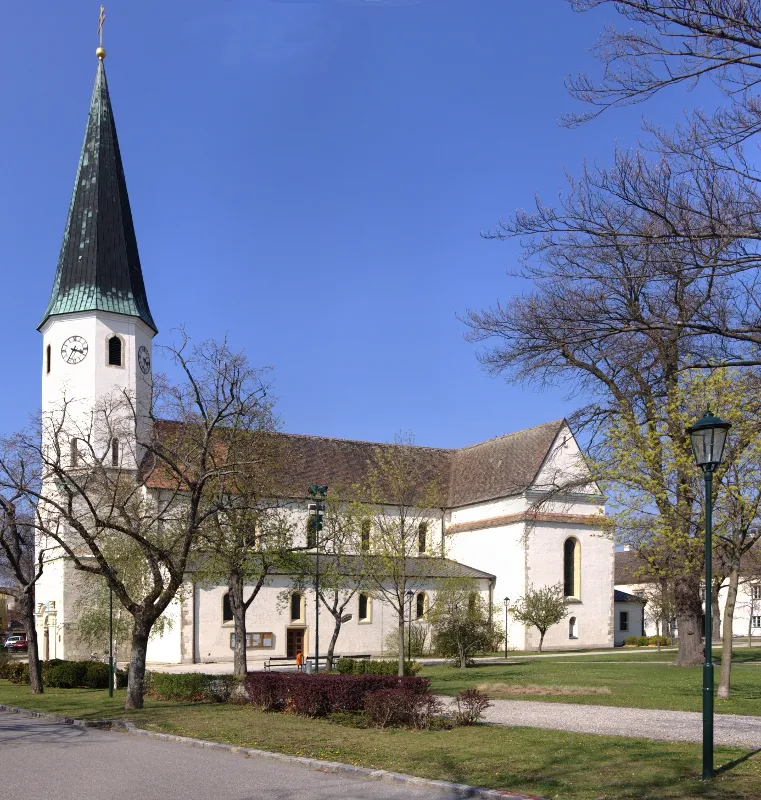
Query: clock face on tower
(74, 349)
(144, 359)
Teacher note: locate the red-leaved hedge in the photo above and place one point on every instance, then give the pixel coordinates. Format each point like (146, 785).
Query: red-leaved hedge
(314, 695)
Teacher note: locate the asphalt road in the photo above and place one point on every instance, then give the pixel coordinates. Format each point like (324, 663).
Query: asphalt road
(53, 761)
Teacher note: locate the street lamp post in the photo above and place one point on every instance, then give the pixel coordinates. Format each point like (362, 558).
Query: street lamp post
(410, 595)
(708, 437)
(317, 492)
(507, 603)
(110, 642)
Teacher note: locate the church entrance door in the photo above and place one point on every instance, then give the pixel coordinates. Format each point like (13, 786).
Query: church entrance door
(294, 641)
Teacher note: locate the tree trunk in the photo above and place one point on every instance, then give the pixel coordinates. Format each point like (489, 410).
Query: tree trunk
(333, 640)
(401, 644)
(658, 633)
(138, 652)
(541, 640)
(715, 613)
(235, 591)
(726, 644)
(689, 613)
(35, 667)
(463, 656)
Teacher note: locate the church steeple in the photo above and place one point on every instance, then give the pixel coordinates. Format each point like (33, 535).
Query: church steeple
(99, 266)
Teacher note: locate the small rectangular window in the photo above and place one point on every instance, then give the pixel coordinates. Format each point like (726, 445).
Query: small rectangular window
(756, 621)
(48, 358)
(755, 592)
(422, 531)
(623, 620)
(363, 607)
(295, 607)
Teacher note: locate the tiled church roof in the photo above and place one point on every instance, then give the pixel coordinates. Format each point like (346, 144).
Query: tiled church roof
(99, 266)
(500, 467)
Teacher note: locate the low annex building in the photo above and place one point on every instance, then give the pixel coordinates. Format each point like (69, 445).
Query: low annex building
(504, 521)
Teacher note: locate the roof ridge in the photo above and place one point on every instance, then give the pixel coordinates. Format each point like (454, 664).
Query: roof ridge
(557, 422)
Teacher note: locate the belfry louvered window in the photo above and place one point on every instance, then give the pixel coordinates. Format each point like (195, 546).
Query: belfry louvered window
(115, 351)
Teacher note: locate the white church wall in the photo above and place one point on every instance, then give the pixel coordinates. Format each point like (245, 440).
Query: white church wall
(564, 465)
(166, 647)
(268, 614)
(593, 610)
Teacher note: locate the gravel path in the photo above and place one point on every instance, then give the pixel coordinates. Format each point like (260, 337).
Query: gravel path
(670, 726)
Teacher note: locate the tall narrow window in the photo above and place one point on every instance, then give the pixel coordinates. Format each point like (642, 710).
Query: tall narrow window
(227, 609)
(295, 607)
(74, 455)
(472, 601)
(571, 568)
(623, 620)
(364, 607)
(114, 452)
(48, 357)
(365, 536)
(422, 531)
(573, 631)
(115, 351)
(420, 605)
(755, 592)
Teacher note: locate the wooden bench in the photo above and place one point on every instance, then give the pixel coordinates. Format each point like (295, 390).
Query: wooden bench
(282, 661)
(286, 663)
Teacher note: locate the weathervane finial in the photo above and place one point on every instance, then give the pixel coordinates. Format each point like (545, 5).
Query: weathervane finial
(100, 52)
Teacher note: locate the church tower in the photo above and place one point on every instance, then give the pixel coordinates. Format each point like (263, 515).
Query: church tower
(98, 329)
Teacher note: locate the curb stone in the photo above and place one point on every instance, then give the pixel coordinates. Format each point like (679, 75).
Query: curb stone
(315, 764)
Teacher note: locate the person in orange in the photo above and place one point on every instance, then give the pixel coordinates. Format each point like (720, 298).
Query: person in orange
(299, 660)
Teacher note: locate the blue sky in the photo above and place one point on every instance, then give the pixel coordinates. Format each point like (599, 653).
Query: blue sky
(310, 178)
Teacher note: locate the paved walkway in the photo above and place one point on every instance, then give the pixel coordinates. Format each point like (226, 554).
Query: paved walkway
(64, 762)
(669, 726)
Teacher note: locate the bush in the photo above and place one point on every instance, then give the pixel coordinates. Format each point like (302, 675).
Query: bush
(361, 666)
(642, 641)
(471, 705)
(401, 707)
(631, 641)
(664, 640)
(18, 672)
(71, 675)
(191, 687)
(315, 695)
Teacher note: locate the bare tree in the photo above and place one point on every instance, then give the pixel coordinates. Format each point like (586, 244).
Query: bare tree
(401, 502)
(17, 562)
(158, 500)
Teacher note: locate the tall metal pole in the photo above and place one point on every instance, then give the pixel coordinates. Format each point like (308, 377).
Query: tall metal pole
(317, 599)
(708, 666)
(110, 642)
(409, 629)
(505, 631)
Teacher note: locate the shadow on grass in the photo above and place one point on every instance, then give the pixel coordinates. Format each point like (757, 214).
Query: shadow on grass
(732, 764)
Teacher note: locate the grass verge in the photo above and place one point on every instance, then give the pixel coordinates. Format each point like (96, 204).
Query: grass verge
(547, 763)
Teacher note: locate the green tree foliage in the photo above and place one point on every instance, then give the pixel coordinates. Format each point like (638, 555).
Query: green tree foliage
(541, 609)
(460, 623)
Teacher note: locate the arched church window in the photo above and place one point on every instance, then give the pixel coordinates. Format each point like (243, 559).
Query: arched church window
(420, 605)
(311, 532)
(295, 607)
(573, 630)
(572, 568)
(227, 609)
(115, 351)
(364, 607)
(114, 452)
(365, 536)
(48, 359)
(422, 531)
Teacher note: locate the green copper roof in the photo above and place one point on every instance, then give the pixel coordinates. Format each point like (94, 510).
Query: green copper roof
(99, 266)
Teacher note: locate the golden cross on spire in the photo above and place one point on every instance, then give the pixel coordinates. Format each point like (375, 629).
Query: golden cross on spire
(100, 52)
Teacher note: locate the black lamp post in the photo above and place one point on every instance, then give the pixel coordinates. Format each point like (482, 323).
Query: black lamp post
(507, 604)
(317, 492)
(410, 595)
(110, 642)
(708, 437)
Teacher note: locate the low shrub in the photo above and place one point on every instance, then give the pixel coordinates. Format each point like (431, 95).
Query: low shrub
(70, 675)
(191, 687)
(400, 707)
(471, 705)
(664, 640)
(315, 695)
(361, 666)
(630, 641)
(18, 672)
(643, 641)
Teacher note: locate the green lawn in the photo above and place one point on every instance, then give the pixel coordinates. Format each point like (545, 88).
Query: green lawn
(638, 681)
(547, 763)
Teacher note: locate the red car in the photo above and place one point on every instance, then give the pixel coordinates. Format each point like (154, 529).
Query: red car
(22, 644)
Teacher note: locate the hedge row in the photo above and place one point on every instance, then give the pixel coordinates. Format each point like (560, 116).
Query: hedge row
(61, 674)
(645, 641)
(315, 695)
(361, 666)
(191, 687)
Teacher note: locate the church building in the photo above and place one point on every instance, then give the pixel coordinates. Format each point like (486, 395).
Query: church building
(503, 524)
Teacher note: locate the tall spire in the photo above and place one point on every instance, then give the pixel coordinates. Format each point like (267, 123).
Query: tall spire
(99, 266)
